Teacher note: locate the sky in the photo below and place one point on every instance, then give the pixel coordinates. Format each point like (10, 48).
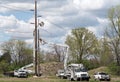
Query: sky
(59, 17)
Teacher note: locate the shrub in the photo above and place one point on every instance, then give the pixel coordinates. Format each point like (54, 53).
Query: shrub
(90, 64)
(115, 69)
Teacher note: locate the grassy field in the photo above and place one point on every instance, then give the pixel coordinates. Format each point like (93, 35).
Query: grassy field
(45, 79)
(55, 79)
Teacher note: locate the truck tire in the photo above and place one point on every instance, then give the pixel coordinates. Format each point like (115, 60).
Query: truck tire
(70, 79)
(108, 79)
(75, 79)
(88, 79)
(61, 77)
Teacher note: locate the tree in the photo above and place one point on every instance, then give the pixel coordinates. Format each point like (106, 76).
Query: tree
(105, 53)
(113, 32)
(81, 42)
(50, 57)
(5, 62)
(60, 52)
(20, 52)
(6, 57)
(4, 66)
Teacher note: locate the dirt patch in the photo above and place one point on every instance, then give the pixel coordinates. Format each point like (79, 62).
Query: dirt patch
(51, 68)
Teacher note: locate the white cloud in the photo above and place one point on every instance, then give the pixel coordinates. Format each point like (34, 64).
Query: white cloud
(92, 29)
(7, 21)
(67, 14)
(15, 28)
(6, 7)
(88, 4)
(102, 20)
(99, 29)
(21, 6)
(29, 41)
(3, 9)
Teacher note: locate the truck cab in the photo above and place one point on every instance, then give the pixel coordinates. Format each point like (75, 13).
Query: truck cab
(20, 73)
(77, 72)
(81, 74)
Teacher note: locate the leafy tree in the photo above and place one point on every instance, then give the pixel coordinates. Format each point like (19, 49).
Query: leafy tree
(50, 57)
(60, 52)
(82, 42)
(41, 57)
(6, 57)
(5, 62)
(115, 69)
(4, 66)
(105, 53)
(113, 32)
(20, 52)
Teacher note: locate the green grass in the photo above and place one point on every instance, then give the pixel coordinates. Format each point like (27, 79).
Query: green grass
(43, 79)
(56, 79)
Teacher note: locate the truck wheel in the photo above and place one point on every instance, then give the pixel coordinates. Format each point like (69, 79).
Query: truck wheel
(108, 79)
(87, 79)
(70, 79)
(75, 79)
(18, 76)
(61, 77)
(78, 79)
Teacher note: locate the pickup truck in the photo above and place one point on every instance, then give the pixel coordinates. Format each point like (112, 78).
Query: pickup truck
(20, 73)
(101, 76)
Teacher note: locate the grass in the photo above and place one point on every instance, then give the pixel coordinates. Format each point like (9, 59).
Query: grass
(44, 79)
(55, 79)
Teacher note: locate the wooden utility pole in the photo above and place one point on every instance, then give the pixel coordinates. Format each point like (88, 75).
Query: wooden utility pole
(35, 37)
(38, 54)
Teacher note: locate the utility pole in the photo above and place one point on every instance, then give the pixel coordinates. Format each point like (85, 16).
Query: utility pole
(35, 37)
(38, 54)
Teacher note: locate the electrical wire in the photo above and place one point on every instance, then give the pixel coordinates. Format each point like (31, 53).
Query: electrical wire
(11, 7)
(58, 26)
(47, 31)
(21, 37)
(16, 9)
(16, 31)
(5, 5)
(19, 8)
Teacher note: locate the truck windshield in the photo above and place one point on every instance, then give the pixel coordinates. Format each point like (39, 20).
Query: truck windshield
(80, 70)
(103, 73)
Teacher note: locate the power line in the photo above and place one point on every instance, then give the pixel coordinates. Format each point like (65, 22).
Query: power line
(59, 26)
(8, 7)
(21, 37)
(47, 31)
(16, 31)
(28, 11)
(12, 31)
(19, 10)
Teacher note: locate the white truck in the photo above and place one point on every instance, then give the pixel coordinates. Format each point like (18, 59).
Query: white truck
(61, 74)
(102, 76)
(23, 71)
(20, 73)
(77, 72)
(72, 71)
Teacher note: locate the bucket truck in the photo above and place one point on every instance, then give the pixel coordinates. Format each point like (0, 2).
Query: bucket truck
(72, 71)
